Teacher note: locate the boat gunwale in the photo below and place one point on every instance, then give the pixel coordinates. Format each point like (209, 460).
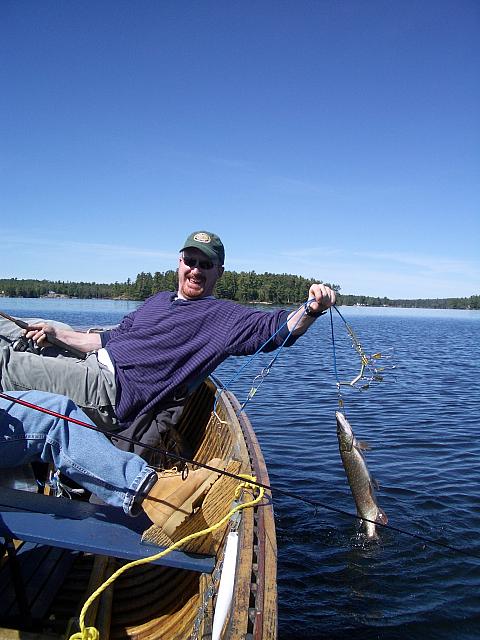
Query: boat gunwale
(263, 521)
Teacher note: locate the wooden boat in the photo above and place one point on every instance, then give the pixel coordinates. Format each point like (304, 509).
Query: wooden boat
(45, 580)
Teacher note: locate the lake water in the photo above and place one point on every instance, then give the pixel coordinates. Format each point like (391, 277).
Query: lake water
(422, 423)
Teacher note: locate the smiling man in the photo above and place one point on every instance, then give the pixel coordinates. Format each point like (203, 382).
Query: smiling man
(161, 352)
(200, 265)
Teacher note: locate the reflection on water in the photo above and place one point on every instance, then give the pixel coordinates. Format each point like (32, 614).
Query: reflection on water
(423, 427)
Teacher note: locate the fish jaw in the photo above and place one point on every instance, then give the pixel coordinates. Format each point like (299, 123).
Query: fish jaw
(370, 529)
(381, 516)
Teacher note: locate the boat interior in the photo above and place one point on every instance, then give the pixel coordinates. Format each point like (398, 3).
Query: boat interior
(56, 552)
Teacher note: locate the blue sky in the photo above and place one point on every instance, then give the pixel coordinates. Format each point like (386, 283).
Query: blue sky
(338, 140)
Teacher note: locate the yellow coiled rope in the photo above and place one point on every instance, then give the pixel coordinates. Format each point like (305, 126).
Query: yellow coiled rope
(91, 633)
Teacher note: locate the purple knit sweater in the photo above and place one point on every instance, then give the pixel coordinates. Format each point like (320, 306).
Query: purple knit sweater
(168, 344)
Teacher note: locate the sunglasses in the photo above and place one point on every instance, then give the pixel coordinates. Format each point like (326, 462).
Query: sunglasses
(194, 262)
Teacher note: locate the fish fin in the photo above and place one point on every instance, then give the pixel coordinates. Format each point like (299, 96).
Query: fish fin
(363, 446)
(376, 484)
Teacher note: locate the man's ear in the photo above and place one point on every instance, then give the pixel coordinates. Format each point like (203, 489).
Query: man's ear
(220, 271)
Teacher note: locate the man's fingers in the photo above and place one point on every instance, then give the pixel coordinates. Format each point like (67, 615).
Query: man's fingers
(37, 334)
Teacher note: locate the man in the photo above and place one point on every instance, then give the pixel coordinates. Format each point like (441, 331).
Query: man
(87, 457)
(162, 351)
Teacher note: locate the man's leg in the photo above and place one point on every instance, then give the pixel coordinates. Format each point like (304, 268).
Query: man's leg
(83, 455)
(119, 478)
(89, 385)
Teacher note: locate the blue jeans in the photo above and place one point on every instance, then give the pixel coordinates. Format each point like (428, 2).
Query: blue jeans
(87, 457)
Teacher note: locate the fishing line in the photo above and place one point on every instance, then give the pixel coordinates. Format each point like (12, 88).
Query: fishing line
(289, 494)
(266, 370)
(335, 370)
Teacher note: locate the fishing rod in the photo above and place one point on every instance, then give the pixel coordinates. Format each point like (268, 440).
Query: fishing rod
(289, 494)
(51, 339)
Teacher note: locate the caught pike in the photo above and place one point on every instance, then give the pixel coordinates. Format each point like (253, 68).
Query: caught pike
(358, 476)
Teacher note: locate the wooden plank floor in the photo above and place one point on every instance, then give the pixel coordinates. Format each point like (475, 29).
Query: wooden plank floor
(41, 570)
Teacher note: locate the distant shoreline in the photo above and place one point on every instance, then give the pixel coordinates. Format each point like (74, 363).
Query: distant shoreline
(427, 303)
(281, 290)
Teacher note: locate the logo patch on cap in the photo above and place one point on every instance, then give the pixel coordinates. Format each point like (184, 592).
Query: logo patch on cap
(202, 237)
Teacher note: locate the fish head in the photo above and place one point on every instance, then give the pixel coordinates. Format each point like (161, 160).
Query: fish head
(381, 516)
(369, 527)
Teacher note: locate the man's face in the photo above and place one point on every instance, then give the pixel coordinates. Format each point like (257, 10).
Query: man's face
(196, 281)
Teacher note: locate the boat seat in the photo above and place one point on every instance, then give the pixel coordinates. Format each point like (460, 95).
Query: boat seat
(82, 526)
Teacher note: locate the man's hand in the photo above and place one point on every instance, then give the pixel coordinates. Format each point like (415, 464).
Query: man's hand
(39, 333)
(324, 297)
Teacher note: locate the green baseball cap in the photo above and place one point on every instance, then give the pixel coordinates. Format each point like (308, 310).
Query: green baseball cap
(208, 243)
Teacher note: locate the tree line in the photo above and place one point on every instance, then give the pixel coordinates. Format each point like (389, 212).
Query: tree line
(245, 287)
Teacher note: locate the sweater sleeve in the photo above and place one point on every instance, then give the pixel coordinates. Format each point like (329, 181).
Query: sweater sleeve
(252, 330)
(283, 333)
